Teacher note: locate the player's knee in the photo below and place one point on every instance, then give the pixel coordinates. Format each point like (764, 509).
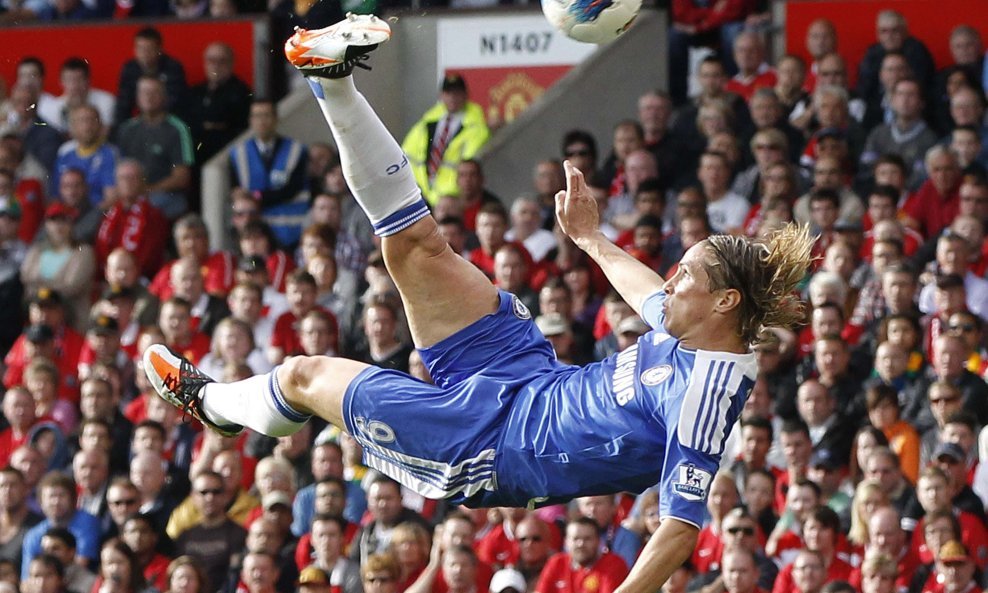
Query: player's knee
(422, 238)
(303, 371)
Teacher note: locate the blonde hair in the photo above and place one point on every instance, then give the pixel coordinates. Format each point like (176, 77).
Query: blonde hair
(766, 273)
(858, 533)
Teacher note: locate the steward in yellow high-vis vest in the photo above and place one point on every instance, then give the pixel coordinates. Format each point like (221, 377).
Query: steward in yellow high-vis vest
(454, 125)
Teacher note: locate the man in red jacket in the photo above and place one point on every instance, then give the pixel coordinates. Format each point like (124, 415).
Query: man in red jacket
(132, 222)
(582, 568)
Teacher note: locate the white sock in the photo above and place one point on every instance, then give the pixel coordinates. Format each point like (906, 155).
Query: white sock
(256, 403)
(374, 166)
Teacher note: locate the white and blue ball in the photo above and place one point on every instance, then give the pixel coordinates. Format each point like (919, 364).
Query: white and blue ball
(591, 21)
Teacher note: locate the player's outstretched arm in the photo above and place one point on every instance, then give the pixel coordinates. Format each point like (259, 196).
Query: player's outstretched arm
(576, 211)
(667, 549)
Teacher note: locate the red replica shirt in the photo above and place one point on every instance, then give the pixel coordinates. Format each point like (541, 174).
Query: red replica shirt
(706, 555)
(974, 536)
(285, 333)
(908, 562)
(194, 349)
(217, 275)
(932, 210)
(68, 346)
(746, 86)
(561, 576)
(30, 196)
(140, 229)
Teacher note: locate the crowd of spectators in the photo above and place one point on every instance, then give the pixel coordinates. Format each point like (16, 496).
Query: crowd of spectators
(855, 466)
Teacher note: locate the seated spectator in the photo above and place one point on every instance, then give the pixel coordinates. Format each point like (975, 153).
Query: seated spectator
(801, 497)
(753, 72)
(952, 459)
(936, 203)
(256, 240)
(88, 151)
(907, 135)
(583, 560)
(72, 278)
(492, 225)
(882, 465)
(77, 90)
(301, 294)
(386, 512)
(192, 242)
(882, 403)
(57, 495)
(161, 142)
(232, 343)
(140, 536)
(23, 198)
(16, 519)
(725, 209)
(60, 543)
(149, 59)
(827, 471)
(133, 222)
(213, 538)
(893, 36)
(40, 140)
(953, 254)
(58, 342)
(821, 532)
(526, 228)
(934, 496)
(218, 106)
(177, 325)
(828, 174)
(821, 41)
(695, 24)
(273, 168)
(511, 273)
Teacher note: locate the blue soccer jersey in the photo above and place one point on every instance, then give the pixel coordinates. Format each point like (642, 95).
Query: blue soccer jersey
(507, 425)
(655, 413)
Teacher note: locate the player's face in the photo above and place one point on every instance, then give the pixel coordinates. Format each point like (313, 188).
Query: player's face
(689, 300)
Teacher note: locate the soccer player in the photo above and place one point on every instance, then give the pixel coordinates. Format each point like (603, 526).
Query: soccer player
(506, 424)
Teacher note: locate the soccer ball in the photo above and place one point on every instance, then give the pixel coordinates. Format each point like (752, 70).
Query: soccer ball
(591, 21)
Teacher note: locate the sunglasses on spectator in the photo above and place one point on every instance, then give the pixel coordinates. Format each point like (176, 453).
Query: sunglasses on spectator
(741, 530)
(767, 147)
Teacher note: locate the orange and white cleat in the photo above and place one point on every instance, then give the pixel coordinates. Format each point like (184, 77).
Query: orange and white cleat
(180, 383)
(332, 52)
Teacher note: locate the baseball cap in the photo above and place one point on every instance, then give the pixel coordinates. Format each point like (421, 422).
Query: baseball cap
(551, 324)
(253, 263)
(312, 575)
(46, 297)
(508, 578)
(10, 207)
(951, 450)
(39, 332)
(104, 325)
(454, 82)
(60, 210)
(825, 458)
(275, 498)
(953, 551)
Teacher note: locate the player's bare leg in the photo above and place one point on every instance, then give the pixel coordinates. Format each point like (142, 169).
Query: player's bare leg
(442, 293)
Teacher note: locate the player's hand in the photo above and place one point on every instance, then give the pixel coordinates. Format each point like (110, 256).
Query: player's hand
(576, 208)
